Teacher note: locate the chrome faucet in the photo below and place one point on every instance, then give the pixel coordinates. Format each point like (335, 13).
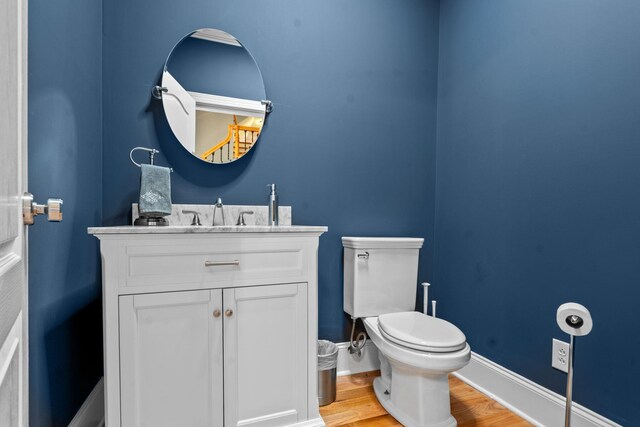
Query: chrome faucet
(241, 217)
(215, 207)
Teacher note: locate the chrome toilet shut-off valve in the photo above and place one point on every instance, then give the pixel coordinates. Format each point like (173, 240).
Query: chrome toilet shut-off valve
(31, 209)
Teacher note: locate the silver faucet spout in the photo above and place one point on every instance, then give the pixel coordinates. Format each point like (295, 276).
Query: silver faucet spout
(217, 205)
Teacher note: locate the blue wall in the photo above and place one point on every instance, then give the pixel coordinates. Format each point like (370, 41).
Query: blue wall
(351, 141)
(537, 187)
(65, 160)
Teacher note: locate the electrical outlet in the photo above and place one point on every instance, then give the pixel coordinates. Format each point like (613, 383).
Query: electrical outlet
(560, 355)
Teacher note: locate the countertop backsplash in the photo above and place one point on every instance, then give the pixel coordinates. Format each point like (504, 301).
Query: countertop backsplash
(231, 212)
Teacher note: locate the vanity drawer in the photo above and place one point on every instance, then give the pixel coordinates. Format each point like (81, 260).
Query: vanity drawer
(173, 264)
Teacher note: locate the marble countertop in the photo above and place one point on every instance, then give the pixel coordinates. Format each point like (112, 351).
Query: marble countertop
(187, 229)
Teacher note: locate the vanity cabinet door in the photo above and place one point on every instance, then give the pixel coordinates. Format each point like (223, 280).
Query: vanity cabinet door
(171, 359)
(265, 355)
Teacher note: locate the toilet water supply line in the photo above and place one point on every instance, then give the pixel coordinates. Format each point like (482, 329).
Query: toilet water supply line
(356, 346)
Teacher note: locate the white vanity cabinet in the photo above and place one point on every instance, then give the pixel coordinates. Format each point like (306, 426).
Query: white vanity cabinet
(210, 326)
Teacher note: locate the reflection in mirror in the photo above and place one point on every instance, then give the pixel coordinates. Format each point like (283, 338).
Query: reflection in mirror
(212, 93)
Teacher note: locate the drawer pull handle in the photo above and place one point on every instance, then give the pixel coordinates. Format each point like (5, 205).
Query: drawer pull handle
(219, 263)
(228, 313)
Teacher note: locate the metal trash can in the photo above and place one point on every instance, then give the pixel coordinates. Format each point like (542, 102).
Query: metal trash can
(327, 366)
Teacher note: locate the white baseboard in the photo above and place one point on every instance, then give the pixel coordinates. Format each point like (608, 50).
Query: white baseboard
(349, 364)
(91, 413)
(531, 401)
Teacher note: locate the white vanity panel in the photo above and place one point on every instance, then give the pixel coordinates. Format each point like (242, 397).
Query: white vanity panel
(265, 338)
(196, 262)
(171, 359)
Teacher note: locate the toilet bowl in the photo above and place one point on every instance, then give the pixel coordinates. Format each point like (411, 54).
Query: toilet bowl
(417, 352)
(414, 384)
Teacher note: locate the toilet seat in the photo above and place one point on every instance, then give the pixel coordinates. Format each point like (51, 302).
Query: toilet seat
(421, 332)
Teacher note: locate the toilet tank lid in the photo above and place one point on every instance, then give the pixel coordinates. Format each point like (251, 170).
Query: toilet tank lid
(382, 242)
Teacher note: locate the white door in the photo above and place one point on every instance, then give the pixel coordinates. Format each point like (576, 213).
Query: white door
(171, 359)
(265, 355)
(13, 263)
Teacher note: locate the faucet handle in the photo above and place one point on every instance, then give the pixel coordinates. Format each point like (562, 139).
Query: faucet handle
(241, 217)
(196, 217)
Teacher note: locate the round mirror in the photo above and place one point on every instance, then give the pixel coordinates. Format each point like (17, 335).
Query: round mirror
(213, 96)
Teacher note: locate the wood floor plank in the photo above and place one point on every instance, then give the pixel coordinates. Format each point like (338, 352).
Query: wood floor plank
(344, 412)
(380, 421)
(349, 382)
(356, 406)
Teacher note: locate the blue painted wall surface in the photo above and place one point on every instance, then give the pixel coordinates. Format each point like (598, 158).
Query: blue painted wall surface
(65, 160)
(350, 142)
(216, 68)
(537, 187)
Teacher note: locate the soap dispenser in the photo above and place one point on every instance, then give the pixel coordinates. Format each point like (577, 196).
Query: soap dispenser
(273, 205)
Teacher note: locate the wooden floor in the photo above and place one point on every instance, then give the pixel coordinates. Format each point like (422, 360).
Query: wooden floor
(356, 405)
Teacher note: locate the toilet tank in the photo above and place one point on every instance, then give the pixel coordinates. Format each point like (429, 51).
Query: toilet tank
(380, 274)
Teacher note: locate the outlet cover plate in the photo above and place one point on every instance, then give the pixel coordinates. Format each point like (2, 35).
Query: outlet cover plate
(560, 355)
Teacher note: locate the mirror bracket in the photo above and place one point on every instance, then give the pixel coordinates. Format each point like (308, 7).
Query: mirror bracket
(268, 105)
(157, 91)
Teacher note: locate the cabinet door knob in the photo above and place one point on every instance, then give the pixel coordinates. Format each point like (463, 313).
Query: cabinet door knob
(228, 313)
(216, 313)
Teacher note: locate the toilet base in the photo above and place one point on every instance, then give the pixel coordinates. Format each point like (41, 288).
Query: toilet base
(414, 385)
(384, 398)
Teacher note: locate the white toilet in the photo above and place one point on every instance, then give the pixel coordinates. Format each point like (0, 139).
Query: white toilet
(417, 352)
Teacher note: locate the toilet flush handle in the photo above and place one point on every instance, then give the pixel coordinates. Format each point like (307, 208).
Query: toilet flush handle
(364, 255)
